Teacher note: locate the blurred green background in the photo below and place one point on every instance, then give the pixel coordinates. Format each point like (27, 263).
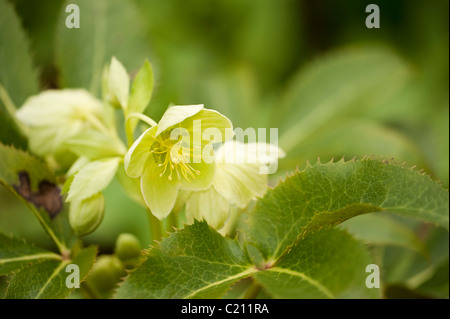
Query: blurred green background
(311, 69)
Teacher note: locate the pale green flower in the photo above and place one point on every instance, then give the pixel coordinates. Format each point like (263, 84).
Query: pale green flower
(237, 181)
(166, 163)
(58, 120)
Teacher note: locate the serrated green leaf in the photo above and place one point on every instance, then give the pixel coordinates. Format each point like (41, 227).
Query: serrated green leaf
(322, 265)
(17, 75)
(328, 194)
(107, 28)
(24, 175)
(15, 254)
(195, 262)
(47, 279)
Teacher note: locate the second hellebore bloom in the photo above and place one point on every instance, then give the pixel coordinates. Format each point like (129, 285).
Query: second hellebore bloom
(166, 162)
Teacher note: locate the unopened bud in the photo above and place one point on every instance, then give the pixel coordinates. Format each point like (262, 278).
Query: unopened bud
(128, 249)
(106, 272)
(87, 214)
(116, 84)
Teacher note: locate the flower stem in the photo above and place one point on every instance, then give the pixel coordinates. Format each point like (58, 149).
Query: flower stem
(87, 289)
(155, 226)
(129, 129)
(11, 109)
(172, 221)
(97, 123)
(252, 291)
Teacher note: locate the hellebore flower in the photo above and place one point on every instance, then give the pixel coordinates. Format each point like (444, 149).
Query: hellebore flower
(176, 154)
(57, 117)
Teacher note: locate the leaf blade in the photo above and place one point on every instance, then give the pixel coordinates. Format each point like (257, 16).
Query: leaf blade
(108, 28)
(15, 254)
(17, 74)
(327, 194)
(175, 268)
(322, 265)
(47, 279)
(30, 179)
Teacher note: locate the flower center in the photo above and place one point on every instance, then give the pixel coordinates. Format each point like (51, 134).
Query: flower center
(169, 154)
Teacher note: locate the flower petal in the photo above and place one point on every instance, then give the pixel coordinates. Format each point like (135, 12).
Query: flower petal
(203, 180)
(177, 114)
(239, 183)
(57, 107)
(209, 205)
(264, 154)
(211, 122)
(159, 192)
(138, 153)
(238, 152)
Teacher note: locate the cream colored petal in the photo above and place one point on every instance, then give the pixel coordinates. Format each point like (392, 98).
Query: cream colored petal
(138, 153)
(208, 205)
(239, 183)
(160, 193)
(176, 114)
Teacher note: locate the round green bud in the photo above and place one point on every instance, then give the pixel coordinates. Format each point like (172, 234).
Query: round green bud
(87, 214)
(106, 272)
(128, 248)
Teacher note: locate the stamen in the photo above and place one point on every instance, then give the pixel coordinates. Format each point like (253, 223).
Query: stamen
(180, 163)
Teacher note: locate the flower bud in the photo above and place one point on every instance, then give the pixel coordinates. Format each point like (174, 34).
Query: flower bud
(87, 214)
(116, 84)
(128, 249)
(106, 273)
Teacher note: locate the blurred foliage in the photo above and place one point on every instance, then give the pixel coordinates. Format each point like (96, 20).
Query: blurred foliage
(311, 68)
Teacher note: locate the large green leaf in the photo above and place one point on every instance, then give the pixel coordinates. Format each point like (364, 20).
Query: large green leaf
(18, 79)
(195, 262)
(15, 254)
(322, 265)
(107, 28)
(34, 184)
(328, 194)
(338, 139)
(347, 82)
(47, 279)
(384, 230)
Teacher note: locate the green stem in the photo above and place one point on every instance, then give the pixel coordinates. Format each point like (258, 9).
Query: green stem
(172, 221)
(97, 123)
(252, 291)
(61, 247)
(155, 226)
(11, 109)
(89, 291)
(129, 129)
